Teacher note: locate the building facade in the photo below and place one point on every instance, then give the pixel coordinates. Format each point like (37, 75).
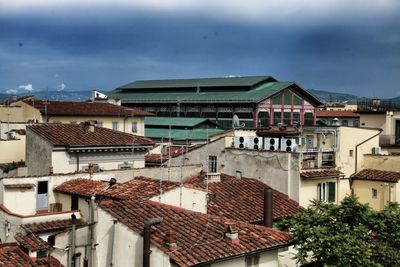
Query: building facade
(257, 101)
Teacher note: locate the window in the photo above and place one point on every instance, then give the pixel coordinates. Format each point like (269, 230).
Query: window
(115, 125)
(327, 191)
(99, 124)
(277, 117)
(374, 193)
(345, 123)
(42, 187)
(134, 127)
(253, 260)
(356, 123)
(51, 240)
(308, 119)
(212, 163)
(41, 254)
(74, 202)
(263, 119)
(351, 153)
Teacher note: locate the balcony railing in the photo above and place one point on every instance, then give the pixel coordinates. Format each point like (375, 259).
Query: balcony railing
(377, 105)
(389, 140)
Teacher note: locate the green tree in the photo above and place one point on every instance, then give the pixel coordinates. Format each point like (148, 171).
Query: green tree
(348, 234)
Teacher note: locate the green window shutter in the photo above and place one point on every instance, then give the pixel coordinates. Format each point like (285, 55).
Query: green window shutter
(332, 192)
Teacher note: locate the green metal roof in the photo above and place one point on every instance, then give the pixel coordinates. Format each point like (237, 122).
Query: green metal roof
(247, 81)
(175, 121)
(255, 95)
(181, 134)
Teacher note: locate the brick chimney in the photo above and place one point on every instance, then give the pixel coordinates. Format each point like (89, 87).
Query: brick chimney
(91, 170)
(89, 125)
(170, 238)
(232, 233)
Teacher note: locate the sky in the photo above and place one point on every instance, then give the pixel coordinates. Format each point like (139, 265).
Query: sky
(333, 45)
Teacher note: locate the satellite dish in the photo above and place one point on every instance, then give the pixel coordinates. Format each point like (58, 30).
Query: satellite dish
(236, 122)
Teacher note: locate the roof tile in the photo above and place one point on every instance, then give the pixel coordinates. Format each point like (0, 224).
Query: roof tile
(83, 108)
(78, 135)
(326, 173)
(377, 175)
(243, 199)
(195, 232)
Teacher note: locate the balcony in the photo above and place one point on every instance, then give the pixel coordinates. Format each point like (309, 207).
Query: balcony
(389, 140)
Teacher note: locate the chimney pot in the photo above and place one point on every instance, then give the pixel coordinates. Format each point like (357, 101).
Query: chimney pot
(51, 169)
(170, 238)
(268, 200)
(232, 233)
(91, 170)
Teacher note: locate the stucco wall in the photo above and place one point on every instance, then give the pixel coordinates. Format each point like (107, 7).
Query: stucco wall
(386, 192)
(64, 162)
(187, 198)
(309, 189)
(128, 246)
(12, 198)
(280, 170)
(123, 125)
(267, 259)
(11, 114)
(349, 138)
(173, 173)
(382, 162)
(38, 154)
(12, 150)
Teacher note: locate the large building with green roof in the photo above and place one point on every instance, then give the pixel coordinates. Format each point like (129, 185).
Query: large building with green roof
(258, 101)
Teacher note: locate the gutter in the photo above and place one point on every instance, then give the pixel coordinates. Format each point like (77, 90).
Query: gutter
(363, 142)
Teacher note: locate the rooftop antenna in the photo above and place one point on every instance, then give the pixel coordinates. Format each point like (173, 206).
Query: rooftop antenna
(161, 166)
(133, 148)
(169, 150)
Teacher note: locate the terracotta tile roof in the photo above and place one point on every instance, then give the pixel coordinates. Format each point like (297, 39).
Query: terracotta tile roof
(199, 237)
(51, 226)
(242, 199)
(19, 186)
(137, 188)
(82, 187)
(327, 173)
(31, 242)
(11, 255)
(78, 135)
(377, 175)
(337, 114)
(47, 262)
(84, 108)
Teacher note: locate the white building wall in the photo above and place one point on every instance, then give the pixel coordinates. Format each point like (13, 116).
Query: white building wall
(187, 198)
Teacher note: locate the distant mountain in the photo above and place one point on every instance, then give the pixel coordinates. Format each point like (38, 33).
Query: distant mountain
(325, 96)
(53, 95)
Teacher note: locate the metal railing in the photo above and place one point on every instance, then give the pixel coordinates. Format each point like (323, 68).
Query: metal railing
(377, 105)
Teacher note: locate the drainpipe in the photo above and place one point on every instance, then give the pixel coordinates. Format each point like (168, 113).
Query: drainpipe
(77, 161)
(146, 239)
(112, 243)
(268, 217)
(89, 248)
(72, 262)
(363, 142)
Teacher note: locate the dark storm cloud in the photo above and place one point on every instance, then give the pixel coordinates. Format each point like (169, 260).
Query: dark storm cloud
(103, 50)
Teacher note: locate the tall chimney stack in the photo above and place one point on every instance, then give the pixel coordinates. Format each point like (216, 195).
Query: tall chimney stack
(268, 217)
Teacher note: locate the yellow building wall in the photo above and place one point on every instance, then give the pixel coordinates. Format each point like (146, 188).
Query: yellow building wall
(12, 150)
(386, 192)
(349, 137)
(309, 189)
(11, 113)
(124, 125)
(382, 162)
(28, 112)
